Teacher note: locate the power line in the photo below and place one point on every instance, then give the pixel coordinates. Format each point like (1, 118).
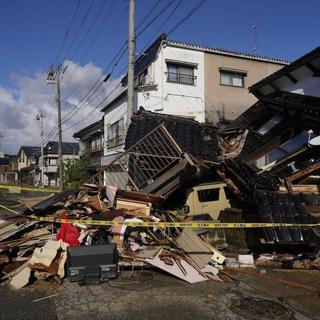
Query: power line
(158, 15)
(162, 24)
(110, 34)
(108, 14)
(99, 11)
(186, 17)
(79, 28)
(147, 15)
(67, 32)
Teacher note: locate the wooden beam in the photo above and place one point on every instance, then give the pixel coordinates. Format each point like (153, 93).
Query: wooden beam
(291, 78)
(305, 172)
(311, 67)
(308, 188)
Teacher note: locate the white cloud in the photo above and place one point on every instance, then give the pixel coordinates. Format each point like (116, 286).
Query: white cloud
(18, 107)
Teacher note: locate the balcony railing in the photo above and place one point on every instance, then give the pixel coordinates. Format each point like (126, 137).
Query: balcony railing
(115, 142)
(181, 78)
(93, 149)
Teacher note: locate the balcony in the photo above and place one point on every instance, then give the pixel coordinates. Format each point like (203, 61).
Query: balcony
(181, 78)
(50, 168)
(97, 148)
(115, 142)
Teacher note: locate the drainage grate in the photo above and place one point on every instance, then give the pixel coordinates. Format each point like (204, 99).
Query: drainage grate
(256, 308)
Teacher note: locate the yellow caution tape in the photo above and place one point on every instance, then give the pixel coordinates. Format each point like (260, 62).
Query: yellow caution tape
(185, 224)
(28, 189)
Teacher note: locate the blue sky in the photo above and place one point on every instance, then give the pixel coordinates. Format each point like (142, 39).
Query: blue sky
(31, 32)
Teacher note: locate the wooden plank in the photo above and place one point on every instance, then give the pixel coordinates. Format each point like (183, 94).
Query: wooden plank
(166, 176)
(305, 172)
(309, 188)
(195, 247)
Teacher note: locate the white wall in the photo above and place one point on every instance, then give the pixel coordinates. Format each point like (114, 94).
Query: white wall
(112, 115)
(164, 97)
(175, 98)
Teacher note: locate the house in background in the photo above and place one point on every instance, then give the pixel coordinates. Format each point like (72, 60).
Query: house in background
(197, 82)
(27, 159)
(70, 151)
(8, 169)
(293, 91)
(91, 139)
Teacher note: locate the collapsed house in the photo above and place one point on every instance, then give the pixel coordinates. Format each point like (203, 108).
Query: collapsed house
(223, 175)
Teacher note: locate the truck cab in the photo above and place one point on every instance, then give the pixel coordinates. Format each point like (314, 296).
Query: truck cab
(207, 198)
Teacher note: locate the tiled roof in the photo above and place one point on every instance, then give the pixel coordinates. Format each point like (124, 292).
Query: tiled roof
(31, 150)
(67, 148)
(226, 52)
(198, 139)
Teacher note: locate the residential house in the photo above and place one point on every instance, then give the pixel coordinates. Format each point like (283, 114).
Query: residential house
(91, 144)
(8, 169)
(198, 82)
(284, 119)
(70, 151)
(27, 159)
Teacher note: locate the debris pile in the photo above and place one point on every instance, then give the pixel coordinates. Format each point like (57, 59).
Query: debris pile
(31, 246)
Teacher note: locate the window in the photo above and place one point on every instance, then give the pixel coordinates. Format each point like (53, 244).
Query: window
(234, 79)
(116, 134)
(271, 123)
(208, 195)
(183, 74)
(143, 78)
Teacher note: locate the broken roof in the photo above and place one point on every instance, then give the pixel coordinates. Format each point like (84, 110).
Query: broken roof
(310, 61)
(198, 139)
(67, 148)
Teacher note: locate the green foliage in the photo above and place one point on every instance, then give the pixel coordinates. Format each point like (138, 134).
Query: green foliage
(75, 171)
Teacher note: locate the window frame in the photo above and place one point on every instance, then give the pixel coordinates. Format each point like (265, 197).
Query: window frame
(113, 142)
(179, 75)
(243, 74)
(203, 191)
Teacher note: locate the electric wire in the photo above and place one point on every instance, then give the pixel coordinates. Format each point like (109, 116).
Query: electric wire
(67, 32)
(95, 19)
(147, 15)
(184, 19)
(154, 19)
(94, 89)
(79, 29)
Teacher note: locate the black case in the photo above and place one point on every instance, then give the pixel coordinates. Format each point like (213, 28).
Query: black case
(92, 264)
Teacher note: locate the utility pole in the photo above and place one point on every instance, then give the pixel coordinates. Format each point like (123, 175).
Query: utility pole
(39, 117)
(1, 137)
(131, 60)
(54, 75)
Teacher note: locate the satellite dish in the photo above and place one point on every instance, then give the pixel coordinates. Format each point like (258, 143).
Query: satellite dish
(315, 141)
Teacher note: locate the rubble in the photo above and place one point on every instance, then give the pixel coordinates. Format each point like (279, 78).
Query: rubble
(177, 170)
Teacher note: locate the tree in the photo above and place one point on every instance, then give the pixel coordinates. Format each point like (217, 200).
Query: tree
(75, 171)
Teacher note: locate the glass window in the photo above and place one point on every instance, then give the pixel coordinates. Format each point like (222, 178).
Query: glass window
(116, 134)
(267, 126)
(233, 79)
(208, 195)
(183, 74)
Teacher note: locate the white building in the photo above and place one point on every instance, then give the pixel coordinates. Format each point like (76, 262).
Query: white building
(187, 80)
(70, 151)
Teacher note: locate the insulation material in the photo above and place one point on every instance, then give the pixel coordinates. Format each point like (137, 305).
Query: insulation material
(191, 274)
(199, 251)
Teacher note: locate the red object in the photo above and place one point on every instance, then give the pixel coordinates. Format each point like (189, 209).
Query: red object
(68, 233)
